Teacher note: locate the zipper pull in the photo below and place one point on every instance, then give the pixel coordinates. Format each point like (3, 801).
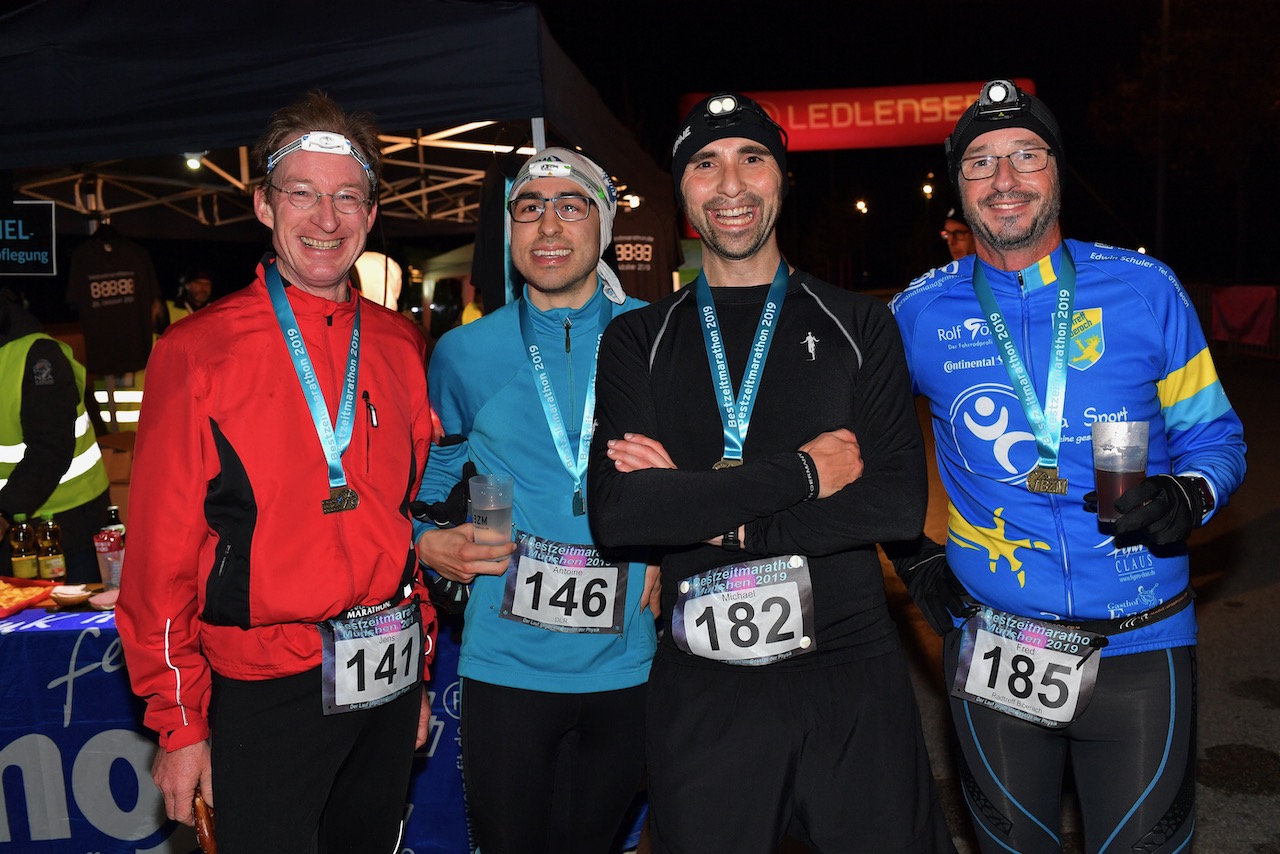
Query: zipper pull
(373, 413)
(567, 323)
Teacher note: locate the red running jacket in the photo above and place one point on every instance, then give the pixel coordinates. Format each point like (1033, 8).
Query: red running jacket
(230, 560)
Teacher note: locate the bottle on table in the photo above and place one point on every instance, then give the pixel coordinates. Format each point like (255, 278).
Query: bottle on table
(109, 544)
(113, 521)
(22, 541)
(52, 562)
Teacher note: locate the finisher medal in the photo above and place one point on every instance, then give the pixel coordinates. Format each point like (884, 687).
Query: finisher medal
(1045, 479)
(340, 498)
(726, 463)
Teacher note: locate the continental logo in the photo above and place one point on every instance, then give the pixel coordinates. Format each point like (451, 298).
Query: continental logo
(952, 365)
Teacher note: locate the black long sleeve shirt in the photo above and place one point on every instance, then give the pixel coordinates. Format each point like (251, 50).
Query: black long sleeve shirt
(654, 379)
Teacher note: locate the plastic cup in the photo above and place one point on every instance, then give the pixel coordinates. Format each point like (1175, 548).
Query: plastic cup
(1119, 462)
(491, 499)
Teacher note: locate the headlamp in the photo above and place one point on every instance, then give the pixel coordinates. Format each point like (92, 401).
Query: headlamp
(550, 169)
(727, 110)
(1000, 99)
(721, 105)
(323, 142)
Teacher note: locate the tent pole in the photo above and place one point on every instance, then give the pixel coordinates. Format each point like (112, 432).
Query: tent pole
(539, 133)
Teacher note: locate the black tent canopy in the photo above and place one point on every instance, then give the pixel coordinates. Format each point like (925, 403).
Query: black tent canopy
(99, 102)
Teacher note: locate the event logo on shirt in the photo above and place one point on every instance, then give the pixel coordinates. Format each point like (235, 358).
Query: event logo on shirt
(1087, 341)
(982, 432)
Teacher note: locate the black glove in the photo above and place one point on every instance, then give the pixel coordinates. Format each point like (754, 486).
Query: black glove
(451, 512)
(449, 596)
(933, 587)
(1164, 508)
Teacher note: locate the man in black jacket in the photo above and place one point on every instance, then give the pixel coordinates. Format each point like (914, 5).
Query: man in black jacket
(758, 426)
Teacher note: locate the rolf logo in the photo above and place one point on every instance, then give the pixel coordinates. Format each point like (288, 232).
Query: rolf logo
(974, 326)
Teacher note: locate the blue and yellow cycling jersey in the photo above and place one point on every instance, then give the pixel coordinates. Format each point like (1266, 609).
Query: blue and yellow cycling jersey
(1135, 352)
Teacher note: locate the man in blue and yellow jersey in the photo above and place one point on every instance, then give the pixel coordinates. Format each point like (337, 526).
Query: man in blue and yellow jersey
(1071, 638)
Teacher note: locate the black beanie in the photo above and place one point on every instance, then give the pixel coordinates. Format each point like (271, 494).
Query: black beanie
(1001, 105)
(726, 115)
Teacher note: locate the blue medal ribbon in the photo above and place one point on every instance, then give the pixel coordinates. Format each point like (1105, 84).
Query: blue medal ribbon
(334, 439)
(575, 465)
(1046, 421)
(735, 410)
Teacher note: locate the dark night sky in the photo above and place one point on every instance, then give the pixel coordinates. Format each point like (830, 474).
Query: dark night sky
(642, 56)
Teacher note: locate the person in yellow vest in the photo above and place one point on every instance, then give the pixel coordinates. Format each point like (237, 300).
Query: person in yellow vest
(49, 457)
(195, 289)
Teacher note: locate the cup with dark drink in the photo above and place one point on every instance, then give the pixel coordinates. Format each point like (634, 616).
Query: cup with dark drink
(1119, 462)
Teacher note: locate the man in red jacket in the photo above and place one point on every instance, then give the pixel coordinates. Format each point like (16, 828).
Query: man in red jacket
(271, 596)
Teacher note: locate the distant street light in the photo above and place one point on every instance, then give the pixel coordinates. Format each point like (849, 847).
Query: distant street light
(861, 206)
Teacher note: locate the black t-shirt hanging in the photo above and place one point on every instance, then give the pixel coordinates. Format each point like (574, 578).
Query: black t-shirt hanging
(112, 285)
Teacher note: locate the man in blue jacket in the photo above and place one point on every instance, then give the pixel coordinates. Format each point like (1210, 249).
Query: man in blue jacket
(558, 637)
(1070, 638)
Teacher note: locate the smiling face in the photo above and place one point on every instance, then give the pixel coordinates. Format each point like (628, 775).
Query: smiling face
(557, 258)
(1014, 215)
(732, 192)
(316, 248)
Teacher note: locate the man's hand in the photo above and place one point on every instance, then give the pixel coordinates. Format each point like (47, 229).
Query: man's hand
(1164, 509)
(177, 773)
(634, 452)
(838, 459)
(453, 555)
(651, 595)
(424, 721)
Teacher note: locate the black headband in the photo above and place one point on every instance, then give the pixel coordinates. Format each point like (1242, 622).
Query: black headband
(1001, 105)
(726, 115)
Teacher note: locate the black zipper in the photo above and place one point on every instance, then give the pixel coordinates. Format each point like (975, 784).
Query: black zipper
(372, 416)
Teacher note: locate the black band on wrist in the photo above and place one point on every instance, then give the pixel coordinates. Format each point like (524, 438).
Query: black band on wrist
(810, 473)
(729, 540)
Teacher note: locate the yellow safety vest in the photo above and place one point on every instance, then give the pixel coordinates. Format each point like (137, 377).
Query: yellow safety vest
(86, 476)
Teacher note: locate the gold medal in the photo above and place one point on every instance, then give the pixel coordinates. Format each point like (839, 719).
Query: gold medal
(1045, 479)
(726, 463)
(340, 498)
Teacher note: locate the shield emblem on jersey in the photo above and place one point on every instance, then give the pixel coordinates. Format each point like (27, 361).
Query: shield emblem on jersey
(1087, 341)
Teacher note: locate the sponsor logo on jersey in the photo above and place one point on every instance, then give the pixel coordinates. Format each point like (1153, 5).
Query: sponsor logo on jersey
(972, 332)
(984, 433)
(1133, 563)
(1002, 552)
(1087, 341)
(1145, 600)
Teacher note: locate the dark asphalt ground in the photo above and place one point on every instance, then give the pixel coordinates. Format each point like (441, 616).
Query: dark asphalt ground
(1235, 563)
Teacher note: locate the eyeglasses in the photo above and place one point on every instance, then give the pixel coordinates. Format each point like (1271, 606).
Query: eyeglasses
(568, 208)
(304, 198)
(955, 233)
(985, 165)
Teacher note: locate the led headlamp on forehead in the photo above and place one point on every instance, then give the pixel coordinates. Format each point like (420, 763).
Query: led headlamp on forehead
(323, 142)
(1001, 104)
(724, 115)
